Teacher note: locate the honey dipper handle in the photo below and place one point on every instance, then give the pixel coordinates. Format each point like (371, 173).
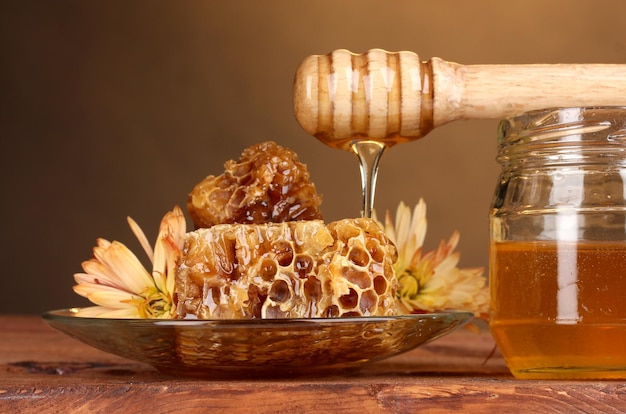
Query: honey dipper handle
(344, 97)
(495, 91)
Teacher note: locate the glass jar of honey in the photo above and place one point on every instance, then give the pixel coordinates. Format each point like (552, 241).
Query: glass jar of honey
(558, 244)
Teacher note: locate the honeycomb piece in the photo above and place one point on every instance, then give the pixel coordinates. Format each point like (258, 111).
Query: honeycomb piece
(298, 269)
(268, 184)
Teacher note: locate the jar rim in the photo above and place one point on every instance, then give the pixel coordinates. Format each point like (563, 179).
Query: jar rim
(562, 121)
(571, 134)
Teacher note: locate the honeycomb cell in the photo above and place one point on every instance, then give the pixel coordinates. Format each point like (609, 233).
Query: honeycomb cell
(349, 300)
(375, 251)
(269, 269)
(358, 277)
(380, 284)
(368, 302)
(283, 251)
(279, 292)
(303, 265)
(359, 256)
(312, 289)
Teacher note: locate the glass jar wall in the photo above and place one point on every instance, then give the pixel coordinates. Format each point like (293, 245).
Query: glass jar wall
(558, 244)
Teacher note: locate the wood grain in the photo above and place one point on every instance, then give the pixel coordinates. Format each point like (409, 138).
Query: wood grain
(46, 371)
(344, 97)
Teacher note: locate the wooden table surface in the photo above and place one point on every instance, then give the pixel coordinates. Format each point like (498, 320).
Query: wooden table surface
(44, 371)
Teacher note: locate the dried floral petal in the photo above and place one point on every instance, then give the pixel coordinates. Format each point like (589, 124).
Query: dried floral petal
(432, 281)
(116, 281)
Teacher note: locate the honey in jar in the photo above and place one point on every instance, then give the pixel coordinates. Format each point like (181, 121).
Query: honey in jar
(558, 244)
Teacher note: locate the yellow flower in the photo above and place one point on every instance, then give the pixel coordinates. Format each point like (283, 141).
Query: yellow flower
(118, 283)
(432, 281)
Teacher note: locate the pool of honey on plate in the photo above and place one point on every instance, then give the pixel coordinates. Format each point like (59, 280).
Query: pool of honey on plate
(559, 308)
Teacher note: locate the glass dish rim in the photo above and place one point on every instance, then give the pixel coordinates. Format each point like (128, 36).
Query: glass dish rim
(69, 314)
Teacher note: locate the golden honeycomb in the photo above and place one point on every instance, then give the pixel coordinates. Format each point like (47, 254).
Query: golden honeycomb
(267, 184)
(296, 269)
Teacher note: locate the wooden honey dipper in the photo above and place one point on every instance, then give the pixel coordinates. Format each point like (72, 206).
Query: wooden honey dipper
(344, 96)
(368, 102)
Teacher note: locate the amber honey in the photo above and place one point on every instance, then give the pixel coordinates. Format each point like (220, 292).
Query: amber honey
(559, 308)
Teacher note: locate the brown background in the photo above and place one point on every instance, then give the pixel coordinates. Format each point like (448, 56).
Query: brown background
(115, 108)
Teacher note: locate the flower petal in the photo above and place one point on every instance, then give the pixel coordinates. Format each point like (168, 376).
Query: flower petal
(105, 295)
(116, 280)
(168, 249)
(104, 312)
(141, 236)
(122, 262)
(432, 281)
(97, 273)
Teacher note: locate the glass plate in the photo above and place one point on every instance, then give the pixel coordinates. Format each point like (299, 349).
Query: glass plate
(255, 348)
